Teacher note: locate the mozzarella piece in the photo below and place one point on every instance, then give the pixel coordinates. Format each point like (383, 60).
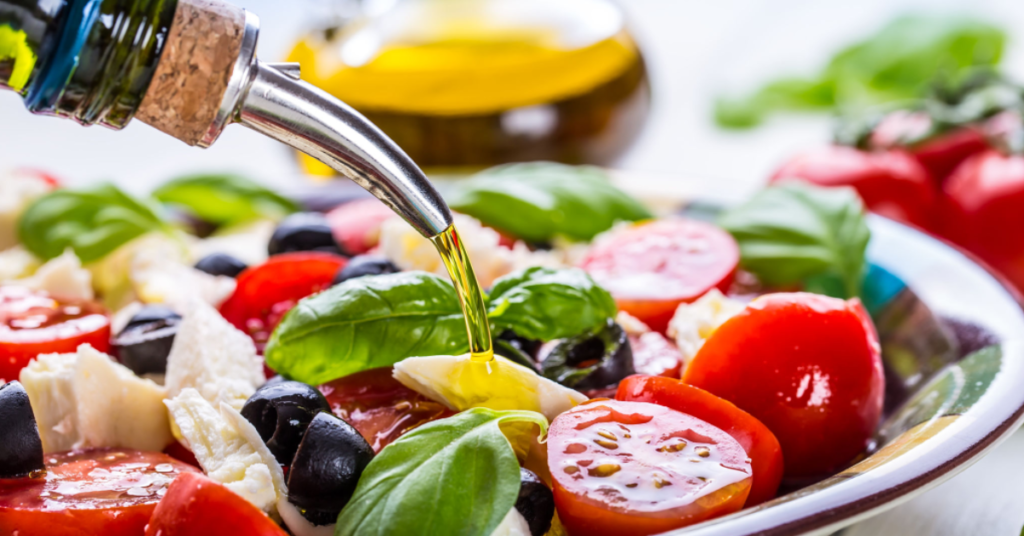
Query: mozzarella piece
(212, 357)
(156, 281)
(229, 449)
(17, 262)
(461, 383)
(63, 277)
(298, 525)
(694, 322)
(514, 524)
(246, 241)
(118, 276)
(49, 380)
(17, 191)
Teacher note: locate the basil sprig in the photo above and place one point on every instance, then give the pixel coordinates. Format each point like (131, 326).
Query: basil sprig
(541, 200)
(457, 476)
(224, 199)
(796, 233)
(93, 222)
(377, 321)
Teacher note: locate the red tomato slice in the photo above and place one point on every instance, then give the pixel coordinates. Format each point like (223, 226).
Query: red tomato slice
(655, 355)
(356, 224)
(891, 183)
(112, 492)
(756, 439)
(33, 323)
(197, 506)
(266, 292)
(380, 407)
(652, 267)
(632, 468)
(807, 366)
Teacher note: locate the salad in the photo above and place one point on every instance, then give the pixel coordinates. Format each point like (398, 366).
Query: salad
(218, 358)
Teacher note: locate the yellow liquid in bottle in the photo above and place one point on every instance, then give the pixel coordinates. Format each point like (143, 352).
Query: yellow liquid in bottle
(471, 299)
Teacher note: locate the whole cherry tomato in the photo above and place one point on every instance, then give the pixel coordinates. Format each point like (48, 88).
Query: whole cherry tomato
(112, 492)
(652, 267)
(891, 183)
(761, 445)
(197, 506)
(356, 224)
(940, 153)
(632, 469)
(807, 366)
(33, 323)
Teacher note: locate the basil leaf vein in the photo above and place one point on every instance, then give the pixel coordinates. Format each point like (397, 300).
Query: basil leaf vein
(224, 199)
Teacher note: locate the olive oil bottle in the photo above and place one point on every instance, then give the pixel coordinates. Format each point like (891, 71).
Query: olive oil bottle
(473, 83)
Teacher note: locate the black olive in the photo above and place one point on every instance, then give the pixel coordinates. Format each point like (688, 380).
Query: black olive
(21, 450)
(326, 469)
(280, 412)
(529, 347)
(303, 231)
(536, 503)
(591, 361)
(144, 344)
(221, 264)
(518, 349)
(361, 265)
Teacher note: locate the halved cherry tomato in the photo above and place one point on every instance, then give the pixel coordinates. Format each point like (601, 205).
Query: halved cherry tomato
(632, 468)
(652, 267)
(356, 224)
(197, 506)
(112, 492)
(266, 292)
(380, 407)
(655, 355)
(807, 366)
(891, 183)
(761, 445)
(33, 323)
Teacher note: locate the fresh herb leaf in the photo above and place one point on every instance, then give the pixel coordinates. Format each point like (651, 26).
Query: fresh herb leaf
(224, 199)
(367, 322)
(457, 476)
(546, 304)
(92, 222)
(541, 200)
(797, 233)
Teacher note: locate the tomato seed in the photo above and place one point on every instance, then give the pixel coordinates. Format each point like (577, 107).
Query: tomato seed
(610, 445)
(607, 435)
(703, 452)
(605, 470)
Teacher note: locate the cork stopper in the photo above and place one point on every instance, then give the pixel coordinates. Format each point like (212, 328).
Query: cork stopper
(189, 83)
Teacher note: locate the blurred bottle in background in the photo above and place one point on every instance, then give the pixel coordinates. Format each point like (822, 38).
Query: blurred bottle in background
(462, 84)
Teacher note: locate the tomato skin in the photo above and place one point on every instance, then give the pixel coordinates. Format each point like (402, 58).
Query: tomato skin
(755, 438)
(198, 506)
(891, 183)
(264, 293)
(807, 366)
(941, 155)
(67, 324)
(651, 267)
(356, 224)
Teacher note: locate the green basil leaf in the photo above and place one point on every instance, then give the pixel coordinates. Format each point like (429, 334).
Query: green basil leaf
(458, 476)
(539, 201)
(798, 233)
(546, 304)
(367, 322)
(223, 199)
(92, 222)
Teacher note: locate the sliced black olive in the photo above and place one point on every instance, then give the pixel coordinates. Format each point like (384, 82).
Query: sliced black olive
(280, 412)
(591, 361)
(326, 469)
(21, 450)
(361, 265)
(221, 264)
(529, 347)
(518, 349)
(303, 231)
(144, 344)
(536, 503)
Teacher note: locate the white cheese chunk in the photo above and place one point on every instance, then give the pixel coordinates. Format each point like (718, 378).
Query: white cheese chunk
(694, 322)
(17, 262)
(246, 242)
(49, 380)
(17, 191)
(212, 357)
(299, 525)
(62, 277)
(514, 524)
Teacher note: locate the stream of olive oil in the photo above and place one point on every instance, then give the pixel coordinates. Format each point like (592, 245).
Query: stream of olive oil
(471, 299)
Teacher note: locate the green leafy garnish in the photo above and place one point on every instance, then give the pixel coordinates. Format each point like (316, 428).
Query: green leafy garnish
(896, 63)
(796, 233)
(92, 222)
(458, 476)
(541, 200)
(224, 199)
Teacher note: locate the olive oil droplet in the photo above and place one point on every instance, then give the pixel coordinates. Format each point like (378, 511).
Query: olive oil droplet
(471, 299)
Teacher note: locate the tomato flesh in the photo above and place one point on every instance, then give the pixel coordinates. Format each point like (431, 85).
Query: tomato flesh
(380, 407)
(655, 355)
(112, 492)
(198, 506)
(807, 366)
(33, 323)
(652, 267)
(633, 468)
(756, 439)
